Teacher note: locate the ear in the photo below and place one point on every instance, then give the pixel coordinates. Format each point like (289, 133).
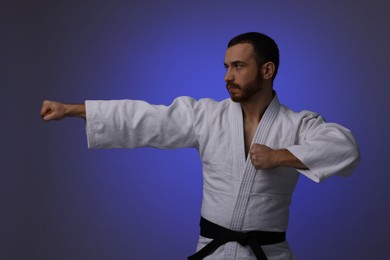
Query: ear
(268, 70)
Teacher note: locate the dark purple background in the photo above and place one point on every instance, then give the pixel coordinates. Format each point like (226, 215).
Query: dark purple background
(60, 200)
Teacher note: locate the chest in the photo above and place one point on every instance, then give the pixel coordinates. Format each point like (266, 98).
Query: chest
(249, 133)
(224, 154)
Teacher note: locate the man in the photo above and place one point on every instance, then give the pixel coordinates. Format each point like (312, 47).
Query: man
(253, 149)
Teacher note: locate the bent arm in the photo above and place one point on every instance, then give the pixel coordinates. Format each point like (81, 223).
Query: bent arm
(264, 157)
(52, 110)
(326, 149)
(322, 150)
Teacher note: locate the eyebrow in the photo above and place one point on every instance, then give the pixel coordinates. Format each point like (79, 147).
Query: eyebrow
(236, 62)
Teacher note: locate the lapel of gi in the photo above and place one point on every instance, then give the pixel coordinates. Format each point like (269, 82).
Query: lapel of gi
(245, 168)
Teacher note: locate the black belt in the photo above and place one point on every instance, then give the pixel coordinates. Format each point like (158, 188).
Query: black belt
(221, 235)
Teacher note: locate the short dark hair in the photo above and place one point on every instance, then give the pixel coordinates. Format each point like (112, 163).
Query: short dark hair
(265, 48)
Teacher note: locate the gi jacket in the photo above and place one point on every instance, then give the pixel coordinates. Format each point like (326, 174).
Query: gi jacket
(235, 195)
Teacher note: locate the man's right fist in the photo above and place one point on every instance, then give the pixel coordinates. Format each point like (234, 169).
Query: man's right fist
(52, 110)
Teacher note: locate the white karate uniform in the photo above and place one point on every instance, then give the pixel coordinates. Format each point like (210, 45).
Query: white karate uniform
(235, 195)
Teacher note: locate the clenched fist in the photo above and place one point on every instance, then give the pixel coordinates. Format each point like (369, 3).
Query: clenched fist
(52, 110)
(262, 157)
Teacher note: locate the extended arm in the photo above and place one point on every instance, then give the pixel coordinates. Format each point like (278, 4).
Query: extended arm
(136, 123)
(52, 110)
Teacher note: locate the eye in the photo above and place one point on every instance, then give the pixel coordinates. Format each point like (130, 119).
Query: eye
(238, 65)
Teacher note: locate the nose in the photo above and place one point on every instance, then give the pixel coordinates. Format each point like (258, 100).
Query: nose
(228, 76)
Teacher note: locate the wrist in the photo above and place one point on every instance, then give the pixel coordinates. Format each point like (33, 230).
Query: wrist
(284, 158)
(75, 110)
(279, 158)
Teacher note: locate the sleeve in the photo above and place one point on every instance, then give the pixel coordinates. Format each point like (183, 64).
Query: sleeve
(325, 148)
(134, 123)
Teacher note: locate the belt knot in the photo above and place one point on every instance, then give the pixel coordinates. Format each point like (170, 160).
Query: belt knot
(242, 238)
(222, 235)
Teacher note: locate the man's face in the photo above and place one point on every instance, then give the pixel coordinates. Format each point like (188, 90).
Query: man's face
(242, 75)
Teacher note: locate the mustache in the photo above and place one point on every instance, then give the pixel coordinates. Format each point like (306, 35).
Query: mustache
(232, 85)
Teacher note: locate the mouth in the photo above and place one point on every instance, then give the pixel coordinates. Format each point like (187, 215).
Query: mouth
(232, 86)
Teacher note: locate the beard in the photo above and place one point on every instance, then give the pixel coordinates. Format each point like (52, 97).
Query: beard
(246, 92)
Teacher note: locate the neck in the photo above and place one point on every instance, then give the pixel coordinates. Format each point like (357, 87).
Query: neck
(254, 108)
